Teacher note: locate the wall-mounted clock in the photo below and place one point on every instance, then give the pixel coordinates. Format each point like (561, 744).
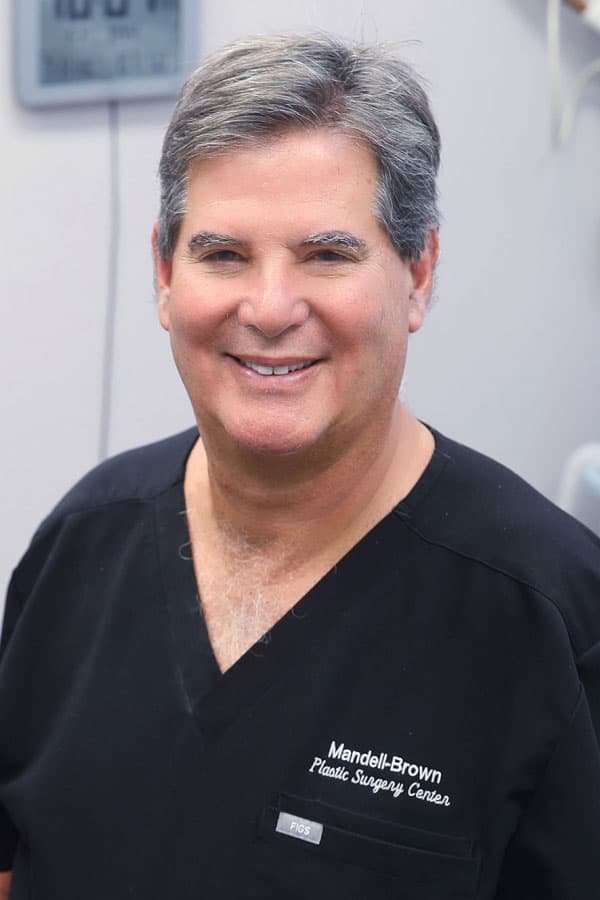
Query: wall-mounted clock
(82, 51)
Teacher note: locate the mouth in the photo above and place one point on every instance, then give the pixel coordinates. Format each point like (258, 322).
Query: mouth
(278, 369)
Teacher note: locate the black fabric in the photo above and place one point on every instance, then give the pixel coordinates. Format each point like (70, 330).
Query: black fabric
(431, 703)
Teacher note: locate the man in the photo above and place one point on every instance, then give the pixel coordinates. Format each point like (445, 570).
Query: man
(320, 650)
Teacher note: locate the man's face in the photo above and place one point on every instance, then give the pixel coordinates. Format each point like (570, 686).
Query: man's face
(287, 307)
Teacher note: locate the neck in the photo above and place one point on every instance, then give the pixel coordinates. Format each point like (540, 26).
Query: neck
(311, 505)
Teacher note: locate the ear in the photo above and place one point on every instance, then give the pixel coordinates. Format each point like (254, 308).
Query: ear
(422, 270)
(162, 280)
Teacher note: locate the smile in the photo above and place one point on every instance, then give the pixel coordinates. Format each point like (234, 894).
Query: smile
(273, 370)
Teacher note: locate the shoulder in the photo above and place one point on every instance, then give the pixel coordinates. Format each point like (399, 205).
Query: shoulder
(107, 515)
(483, 512)
(139, 474)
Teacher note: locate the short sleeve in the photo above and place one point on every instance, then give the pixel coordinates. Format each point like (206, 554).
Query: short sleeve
(8, 833)
(8, 842)
(555, 852)
(589, 671)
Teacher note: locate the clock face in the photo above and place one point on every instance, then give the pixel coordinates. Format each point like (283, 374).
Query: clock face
(83, 40)
(78, 50)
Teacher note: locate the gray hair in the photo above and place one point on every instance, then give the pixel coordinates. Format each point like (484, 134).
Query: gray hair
(255, 89)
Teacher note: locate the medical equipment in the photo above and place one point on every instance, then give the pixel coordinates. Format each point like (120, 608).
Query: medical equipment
(580, 487)
(562, 117)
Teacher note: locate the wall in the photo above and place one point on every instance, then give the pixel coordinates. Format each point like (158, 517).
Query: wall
(508, 359)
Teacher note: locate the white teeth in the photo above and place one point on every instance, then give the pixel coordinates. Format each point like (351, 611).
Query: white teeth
(273, 370)
(262, 370)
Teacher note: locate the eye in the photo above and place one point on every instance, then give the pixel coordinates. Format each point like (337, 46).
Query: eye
(222, 256)
(327, 255)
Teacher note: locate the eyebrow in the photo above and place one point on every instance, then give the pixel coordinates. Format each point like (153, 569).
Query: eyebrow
(345, 239)
(209, 239)
(336, 238)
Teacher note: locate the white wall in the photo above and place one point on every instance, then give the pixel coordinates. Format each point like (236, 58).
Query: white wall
(508, 359)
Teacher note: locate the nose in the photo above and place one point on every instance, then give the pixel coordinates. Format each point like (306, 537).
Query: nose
(273, 304)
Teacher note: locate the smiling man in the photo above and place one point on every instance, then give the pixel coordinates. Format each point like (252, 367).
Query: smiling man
(311, 647)
(288, 309)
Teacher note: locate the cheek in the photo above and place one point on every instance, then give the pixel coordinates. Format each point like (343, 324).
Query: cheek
(368, 320)
(193, 312)
(376, 328)
(352, 311)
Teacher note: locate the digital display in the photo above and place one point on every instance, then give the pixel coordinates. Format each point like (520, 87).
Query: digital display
(99, 40)
(93, 51)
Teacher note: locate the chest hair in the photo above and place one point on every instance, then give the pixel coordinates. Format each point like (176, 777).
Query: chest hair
(243, 593)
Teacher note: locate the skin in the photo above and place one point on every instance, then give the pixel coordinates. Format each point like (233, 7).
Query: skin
(280, 260)
(4, 885)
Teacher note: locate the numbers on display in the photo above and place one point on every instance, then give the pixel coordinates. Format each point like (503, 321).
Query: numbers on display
(84, 9)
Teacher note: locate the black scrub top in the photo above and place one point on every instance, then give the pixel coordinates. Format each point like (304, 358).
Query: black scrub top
(420, 725)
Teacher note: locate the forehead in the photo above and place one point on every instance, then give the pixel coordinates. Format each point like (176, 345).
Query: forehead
(305, 177)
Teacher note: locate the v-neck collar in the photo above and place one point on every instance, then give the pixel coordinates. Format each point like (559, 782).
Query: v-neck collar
(215, 698)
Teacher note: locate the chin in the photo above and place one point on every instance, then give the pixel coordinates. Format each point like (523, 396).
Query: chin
(273, 441)
(274, 448)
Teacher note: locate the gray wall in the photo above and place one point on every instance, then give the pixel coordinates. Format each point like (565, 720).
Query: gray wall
(508, 359)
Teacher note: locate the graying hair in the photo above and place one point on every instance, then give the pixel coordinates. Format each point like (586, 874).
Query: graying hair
(253, 90)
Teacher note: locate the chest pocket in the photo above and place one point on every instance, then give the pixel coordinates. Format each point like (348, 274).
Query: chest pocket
(324, 851)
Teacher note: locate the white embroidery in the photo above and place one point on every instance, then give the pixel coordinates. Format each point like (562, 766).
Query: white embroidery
(382, 761)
